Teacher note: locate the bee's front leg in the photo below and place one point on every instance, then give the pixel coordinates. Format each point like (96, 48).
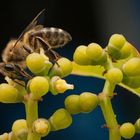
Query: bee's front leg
(27, 49)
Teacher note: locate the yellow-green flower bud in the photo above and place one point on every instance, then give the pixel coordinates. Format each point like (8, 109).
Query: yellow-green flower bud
(48, 66)
(137, 126)
(126, 50)
(19, 87)
(41, 127)
(80, 56)
(113, 52)
(61, 86)
(35, 62)
(127, 130)
(61, 119)
(4, 136)
(11, 136)
(20, 129)
(63, 68)
(88, 101)
(133, 81)
(132, 67)
(55, 71)
(39, 86)
(9, 94)
(65, 65)
(72, 104)
(94, 51)
(102, 60)
(58, 85)
(114, 75)
(117, 40)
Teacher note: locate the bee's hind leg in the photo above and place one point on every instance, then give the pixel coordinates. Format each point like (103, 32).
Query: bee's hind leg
(27, 49)
(53, 56)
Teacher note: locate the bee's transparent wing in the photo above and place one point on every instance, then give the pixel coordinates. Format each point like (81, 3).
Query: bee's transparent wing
(35, 22)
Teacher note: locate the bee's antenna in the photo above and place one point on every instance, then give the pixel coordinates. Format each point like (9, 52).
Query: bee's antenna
(16, 42)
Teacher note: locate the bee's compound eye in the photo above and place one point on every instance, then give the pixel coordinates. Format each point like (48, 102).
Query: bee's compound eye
(9, 67)
(11, 51)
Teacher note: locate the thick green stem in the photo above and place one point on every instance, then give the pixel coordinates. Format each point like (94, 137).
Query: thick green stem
(31, 116)
(108, 112)
(108, 89)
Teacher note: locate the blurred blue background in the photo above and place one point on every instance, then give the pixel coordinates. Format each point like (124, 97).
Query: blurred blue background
(87, 21)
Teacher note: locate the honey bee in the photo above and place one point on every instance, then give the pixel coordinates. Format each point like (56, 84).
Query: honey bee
(34, 37)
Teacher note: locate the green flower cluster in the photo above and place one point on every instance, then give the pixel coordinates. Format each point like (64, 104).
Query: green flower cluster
(120, 63)
(93, 54)
(45, 74)
(47, 77)
(119, 58)
(41, 127)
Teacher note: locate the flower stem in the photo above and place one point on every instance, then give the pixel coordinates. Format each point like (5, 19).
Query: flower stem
(106, 107)
(31, 115)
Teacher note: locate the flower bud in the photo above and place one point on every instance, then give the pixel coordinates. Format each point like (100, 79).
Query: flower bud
(126, 50)
(63, 68)
(80, 56)
(61, 119)
(88, 101)
(4, 136)
(41, 127)
(48, 66)
(113, 52)
(65, 65)
(11, 136)
(20, 129)
(94, 51)
(114, 75)
(21, 89)
(117, 40)
(137, 126)
(127, 130)
(132, 67)
(35, 62)
(61, 86)
(102, 60)
(39, 86)
(9, 94)
(72, 104)
(132, 81)
(58, 85)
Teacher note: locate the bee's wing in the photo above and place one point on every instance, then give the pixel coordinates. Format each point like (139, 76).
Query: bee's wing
(35, 21)
(33, 24)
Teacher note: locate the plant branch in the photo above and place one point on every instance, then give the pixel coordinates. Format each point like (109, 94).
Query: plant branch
(31, 115)
(106, 107)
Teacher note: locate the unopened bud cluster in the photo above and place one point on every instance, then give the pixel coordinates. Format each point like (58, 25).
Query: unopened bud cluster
(120, 61)
(44, 80)
(85, 103)
(119, 58)
(93, 54)
(45, 77)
